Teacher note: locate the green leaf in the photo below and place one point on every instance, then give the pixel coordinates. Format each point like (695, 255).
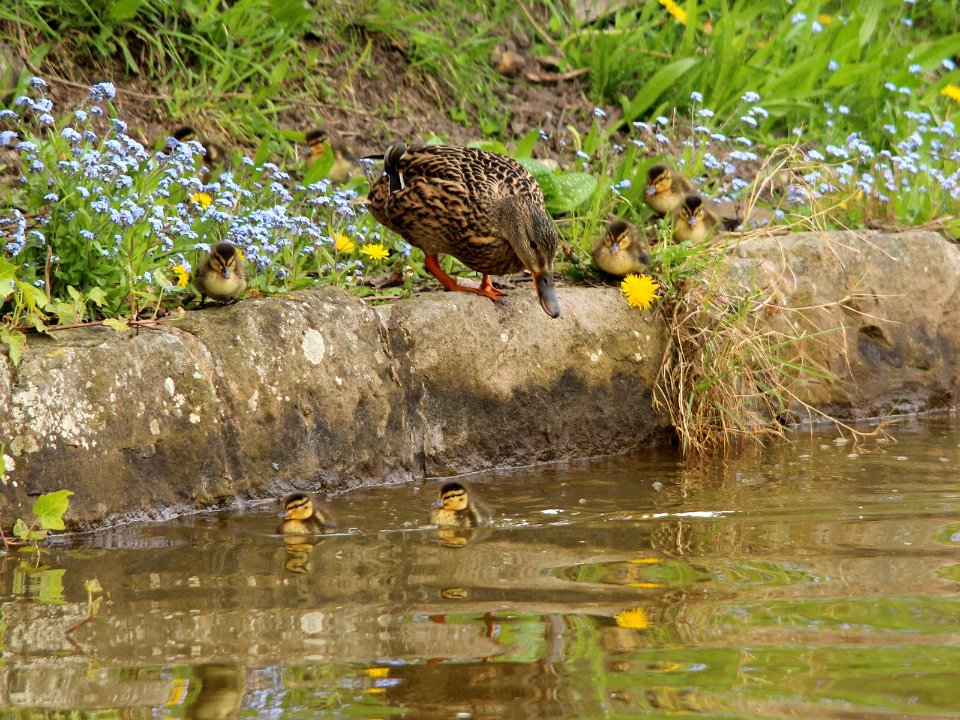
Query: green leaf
(118, 324)
(123, 9)
(573, 190)
(50, 508)
(661, 81)
(527, 143)
(97, 296)
(20, 529)
(15, 341)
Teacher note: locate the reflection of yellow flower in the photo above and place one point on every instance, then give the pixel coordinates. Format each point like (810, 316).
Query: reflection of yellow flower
(678, 12)
(643, 561)
(343, 244)
(952, 91)
(635, 619)
(640, 290)
(202, 199)
(377, 672)
(643, 585)
(183, 275)
(375, 251)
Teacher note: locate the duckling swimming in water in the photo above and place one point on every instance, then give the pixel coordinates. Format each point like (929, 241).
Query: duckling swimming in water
(455, 508)
(302, 517)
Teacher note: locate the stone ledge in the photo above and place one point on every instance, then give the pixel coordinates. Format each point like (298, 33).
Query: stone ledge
(318, 391)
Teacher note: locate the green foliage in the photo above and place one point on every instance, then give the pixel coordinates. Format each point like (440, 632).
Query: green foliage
(48, 511)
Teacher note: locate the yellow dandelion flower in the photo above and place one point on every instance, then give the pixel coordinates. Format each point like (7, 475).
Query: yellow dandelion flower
(375, 251)
(183, 275)
(640, 290)
(678, 12)
(952, 91)
(635, 619)
(824, 19)
(344, 244)
(202, 199)
(644, 585)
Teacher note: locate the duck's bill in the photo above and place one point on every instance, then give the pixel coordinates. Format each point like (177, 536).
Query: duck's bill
(547, 294)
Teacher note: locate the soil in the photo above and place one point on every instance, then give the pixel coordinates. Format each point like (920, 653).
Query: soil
(549, 100)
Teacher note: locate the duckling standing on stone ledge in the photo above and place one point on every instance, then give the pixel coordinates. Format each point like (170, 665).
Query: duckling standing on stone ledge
(222, 274)
(665, 189)
(344, 158)
(301, 516)
(622, 250)
(483, 208)
(692, 221)
(455, 508)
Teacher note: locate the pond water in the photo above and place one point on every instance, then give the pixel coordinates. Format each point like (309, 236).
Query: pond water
(814, 579)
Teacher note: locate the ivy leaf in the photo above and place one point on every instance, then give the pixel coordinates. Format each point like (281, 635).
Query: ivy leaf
(118, 324)
(50, 508)
(20, 529)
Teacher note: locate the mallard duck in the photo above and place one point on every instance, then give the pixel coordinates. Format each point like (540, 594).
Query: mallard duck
(622, 249)
(692, 220)
(483, 208)
(344, 157)
(665, 189)
(455, 508)
(222, 274)
(301, 516)
(214, 155)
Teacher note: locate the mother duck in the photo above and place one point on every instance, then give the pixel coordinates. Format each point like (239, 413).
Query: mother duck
(483, 208)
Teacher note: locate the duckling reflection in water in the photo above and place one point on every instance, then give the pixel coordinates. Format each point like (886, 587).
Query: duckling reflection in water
(302, 516)
(221, 690)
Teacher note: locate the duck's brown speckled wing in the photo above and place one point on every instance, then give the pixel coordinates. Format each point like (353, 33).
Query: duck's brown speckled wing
(442, 205)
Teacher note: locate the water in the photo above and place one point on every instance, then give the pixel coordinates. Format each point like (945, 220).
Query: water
(816, 580)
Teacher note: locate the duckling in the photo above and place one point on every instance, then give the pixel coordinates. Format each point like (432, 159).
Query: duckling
(301, 516)
(483, 208)
(214, 155)
(222, 274)
(344, 157)
(455, 508)
(622, 249)
(665, 189)
(692, 220)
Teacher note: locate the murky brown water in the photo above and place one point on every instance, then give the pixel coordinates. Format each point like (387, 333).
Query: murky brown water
(813, 580)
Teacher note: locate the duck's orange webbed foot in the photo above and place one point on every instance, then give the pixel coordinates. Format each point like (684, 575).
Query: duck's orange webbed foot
(486, 284)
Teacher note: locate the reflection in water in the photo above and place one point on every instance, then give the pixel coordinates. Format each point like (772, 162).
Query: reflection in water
(814, 580)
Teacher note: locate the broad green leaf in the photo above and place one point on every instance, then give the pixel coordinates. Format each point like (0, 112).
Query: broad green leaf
(97, 296)
(15, 341)
(573, 190)
(50, 508)
(118, 324)
(20, 529)
(123, 9)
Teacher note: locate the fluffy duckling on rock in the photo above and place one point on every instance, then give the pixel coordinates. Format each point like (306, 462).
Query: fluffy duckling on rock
(302, 516)
(455, 508)
(665, 189)
(222, 274)
(692, 220)
(344, 157)
(483, 208)
(621, 250)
